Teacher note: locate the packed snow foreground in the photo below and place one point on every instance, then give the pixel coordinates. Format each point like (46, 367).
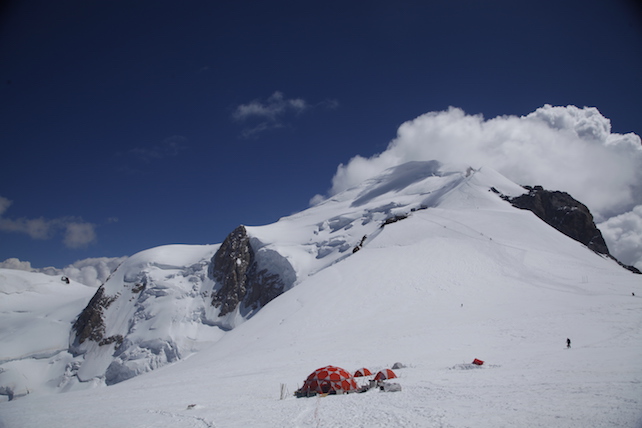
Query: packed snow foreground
(426, 264)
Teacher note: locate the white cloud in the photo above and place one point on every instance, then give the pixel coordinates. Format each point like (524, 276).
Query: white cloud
(77, 233)
(17, 264)
(271, 113)
(623, 235)
(37, 228)
(92, 272)
(561, 148)
(276, 105)
(4, 204)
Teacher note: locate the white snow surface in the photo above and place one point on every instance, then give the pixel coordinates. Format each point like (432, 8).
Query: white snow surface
(464, 275)
(36, 313)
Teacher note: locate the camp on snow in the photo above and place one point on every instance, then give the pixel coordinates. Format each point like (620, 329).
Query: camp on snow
(330, 380)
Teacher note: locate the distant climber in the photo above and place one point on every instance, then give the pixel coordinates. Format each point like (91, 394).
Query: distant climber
(568, 342)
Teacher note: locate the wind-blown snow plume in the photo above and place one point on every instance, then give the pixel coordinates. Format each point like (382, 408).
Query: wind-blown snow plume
(561, 148)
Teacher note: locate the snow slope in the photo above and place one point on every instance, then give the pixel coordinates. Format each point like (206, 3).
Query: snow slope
(461, 275)
(36, 313)
(158, 303)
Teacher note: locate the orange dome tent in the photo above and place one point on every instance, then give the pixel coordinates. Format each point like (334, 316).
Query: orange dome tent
(328, 380)
(362, 372)
(385, 374)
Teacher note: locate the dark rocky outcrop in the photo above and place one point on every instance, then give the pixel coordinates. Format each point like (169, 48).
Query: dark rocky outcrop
(242, 277)
(360, 244)
(90, 323)
(394, 219)
(229, 267)
(566, 214)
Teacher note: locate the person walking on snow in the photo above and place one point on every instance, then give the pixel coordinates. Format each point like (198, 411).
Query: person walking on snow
(568, 342)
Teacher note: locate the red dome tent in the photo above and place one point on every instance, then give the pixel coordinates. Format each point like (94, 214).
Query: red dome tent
(385, 374)
(362, 372)
(328, 380)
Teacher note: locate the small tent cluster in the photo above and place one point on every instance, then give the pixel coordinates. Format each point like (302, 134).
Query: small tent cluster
(328, 380)
(381, 375)
(335, 380)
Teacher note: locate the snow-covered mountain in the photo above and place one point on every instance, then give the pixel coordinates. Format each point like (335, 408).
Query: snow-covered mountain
(426, 264)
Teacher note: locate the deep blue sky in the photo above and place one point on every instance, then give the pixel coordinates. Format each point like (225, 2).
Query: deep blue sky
(121, 114)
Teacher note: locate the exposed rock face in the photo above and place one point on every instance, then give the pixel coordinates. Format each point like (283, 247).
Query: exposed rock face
(230, 266)
(564, 213)
(90, 323)
(245, 278)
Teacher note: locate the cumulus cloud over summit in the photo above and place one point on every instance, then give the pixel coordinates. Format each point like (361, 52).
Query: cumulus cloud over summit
(561, 148)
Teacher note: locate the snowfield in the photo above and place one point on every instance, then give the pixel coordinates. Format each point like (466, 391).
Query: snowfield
(463, 275)
(36, 313)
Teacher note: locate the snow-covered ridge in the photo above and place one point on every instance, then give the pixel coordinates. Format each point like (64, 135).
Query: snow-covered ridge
(160, 305)
(324, 234)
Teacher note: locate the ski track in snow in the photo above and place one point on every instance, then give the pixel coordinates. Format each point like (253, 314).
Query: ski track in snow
(180, 419)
